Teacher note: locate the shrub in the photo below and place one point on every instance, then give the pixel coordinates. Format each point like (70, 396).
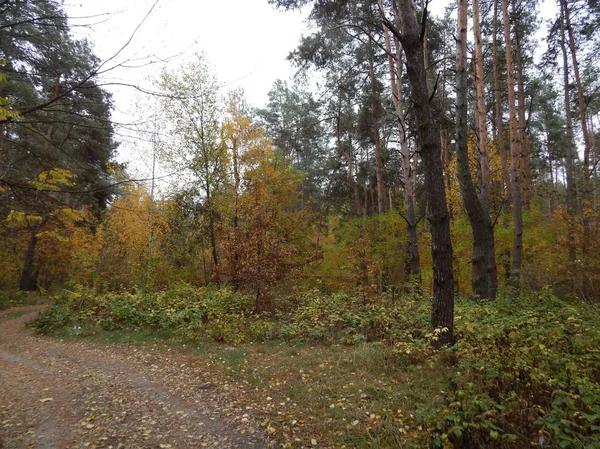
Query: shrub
(13, 298)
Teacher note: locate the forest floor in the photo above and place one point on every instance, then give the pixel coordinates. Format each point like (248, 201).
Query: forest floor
(85, 394)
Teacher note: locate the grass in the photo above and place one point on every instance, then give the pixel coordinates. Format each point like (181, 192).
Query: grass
(340, 396)
(133, 337)
(15, 298)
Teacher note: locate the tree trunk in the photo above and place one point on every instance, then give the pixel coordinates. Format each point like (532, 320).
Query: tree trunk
(213, 242)
(28, 279)
(442, 314)
(483, 140)
(484, 281)
(375, 107)
(499, 137)
(412, 265)
(211, 228)
(515, 156)
(525, 158)
(554, 197)
(29, 274)
(569, 147)
(584, 127)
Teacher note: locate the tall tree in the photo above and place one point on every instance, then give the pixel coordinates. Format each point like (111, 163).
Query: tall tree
(410, 35)
(566, 15)
(484, 278)
(498, 122)
(395, 66)
(57, 154)
(569, 144)
(519, 65)
(191, 106)
(515, 154)
(481, 110)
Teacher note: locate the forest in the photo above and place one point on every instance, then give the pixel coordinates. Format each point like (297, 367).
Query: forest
(404, 241)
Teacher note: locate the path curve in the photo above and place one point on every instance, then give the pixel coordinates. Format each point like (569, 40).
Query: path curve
(56, 394)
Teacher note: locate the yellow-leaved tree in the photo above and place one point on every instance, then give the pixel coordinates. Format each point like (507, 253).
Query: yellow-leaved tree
(268, 235)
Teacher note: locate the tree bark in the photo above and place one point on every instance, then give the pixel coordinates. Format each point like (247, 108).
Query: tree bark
(375, 106)
(211, 228)
(569, 147)
(499, 137)
(484, 281)
(412, 265)
(483, 139)
(515, 156)
(584, 127)
(442, 313)
(29, 281)
(524, 160)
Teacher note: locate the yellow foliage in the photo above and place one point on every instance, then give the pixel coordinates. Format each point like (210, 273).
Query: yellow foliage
(52, 179)
(16, 218)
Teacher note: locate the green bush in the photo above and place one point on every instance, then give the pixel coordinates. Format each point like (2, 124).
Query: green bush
(14, 298)
(195, 313)
(523, 374)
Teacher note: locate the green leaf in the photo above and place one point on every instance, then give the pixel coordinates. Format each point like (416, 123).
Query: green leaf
(456, 430)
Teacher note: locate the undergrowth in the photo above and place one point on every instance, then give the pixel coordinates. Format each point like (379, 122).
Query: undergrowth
(524, 373)
(15, 298)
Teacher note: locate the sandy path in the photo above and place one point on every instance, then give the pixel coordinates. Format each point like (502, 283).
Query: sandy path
(57, 394)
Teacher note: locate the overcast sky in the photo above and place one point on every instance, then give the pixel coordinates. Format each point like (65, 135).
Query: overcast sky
(246, 41)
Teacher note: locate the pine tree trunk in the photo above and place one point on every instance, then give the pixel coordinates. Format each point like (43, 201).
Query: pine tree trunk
(484, 281)
(554, 197)
(376, 134)
(525, 158)
(483, 140)
(499, 137)
(442, 314)
(584, 127)
(569, 148)
(515, 156)
(412, 265)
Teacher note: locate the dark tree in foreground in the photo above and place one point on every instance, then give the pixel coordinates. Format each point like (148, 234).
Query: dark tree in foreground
(484, 282)
(56, 156)
(410, 35)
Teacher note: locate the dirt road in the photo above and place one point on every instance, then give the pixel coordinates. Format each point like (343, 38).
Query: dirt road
(56, 394)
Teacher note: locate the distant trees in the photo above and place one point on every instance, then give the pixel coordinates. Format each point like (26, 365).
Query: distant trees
(192, 115)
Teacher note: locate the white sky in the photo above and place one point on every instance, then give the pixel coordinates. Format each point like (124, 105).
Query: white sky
(246, 41)
(243, 38)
